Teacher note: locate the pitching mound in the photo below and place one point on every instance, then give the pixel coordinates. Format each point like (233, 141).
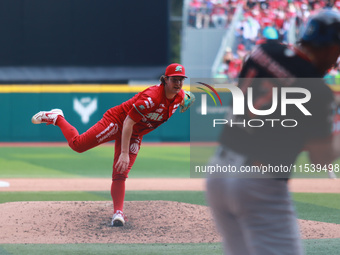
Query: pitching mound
(148, 222)
(89, 222)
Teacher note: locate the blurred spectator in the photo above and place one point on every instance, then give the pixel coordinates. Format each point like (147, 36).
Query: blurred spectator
(228, 56)
(239, 38)
(311, 4)
(221, 75)
(268, 34)
(194, 13)
(250, 27)
(250, 4)
(219, 14)
(206, 11)
(263, 4)
(241, 52)
(280, 18)
(234, 69)
(266, 18)
(337, 4)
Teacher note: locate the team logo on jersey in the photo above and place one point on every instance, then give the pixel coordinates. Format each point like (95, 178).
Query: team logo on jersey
(142, 107)
(178, 69)
(149, 103)
(134, 148)
(154, 116)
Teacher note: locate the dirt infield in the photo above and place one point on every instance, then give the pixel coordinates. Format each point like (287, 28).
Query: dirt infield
(89, 222)
(103, 184)
(149, 222)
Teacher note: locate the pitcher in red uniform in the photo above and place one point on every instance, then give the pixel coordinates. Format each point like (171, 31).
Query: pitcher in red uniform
(126, 124)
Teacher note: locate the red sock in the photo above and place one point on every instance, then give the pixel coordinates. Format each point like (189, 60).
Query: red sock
(118, 194)
(68, 130)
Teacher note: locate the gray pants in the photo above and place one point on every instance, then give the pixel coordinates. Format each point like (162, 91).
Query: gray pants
(255, 216)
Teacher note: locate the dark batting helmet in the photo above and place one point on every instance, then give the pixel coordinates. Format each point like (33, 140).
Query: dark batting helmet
(322, 29)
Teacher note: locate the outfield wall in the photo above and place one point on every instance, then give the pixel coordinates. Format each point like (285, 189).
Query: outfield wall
(83, 106)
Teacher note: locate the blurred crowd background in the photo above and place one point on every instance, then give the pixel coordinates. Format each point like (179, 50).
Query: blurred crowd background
(259, 20)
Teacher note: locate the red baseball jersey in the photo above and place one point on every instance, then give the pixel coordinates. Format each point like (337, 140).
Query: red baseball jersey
(149, 108)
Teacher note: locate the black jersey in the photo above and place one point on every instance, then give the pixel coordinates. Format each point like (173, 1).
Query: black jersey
(282, 136)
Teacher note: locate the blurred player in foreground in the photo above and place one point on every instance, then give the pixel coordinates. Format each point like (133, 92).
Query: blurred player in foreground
(254, 211)
(127, 124)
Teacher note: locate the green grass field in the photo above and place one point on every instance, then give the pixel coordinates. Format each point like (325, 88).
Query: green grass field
(61, 162)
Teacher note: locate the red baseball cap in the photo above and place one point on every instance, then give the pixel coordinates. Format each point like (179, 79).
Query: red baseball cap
(240, 47)
(175, 70)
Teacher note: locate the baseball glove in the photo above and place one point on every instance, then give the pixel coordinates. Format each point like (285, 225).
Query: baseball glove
(189, 99)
